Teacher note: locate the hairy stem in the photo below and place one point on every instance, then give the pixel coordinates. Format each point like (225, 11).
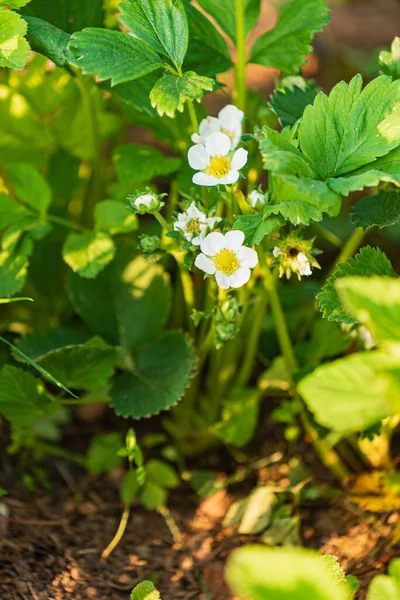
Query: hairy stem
(120, 532)
(241, 55)
(193, 116)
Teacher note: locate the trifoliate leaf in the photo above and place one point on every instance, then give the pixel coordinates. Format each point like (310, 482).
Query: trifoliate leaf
(224, 12)
(171, 92)
(102, 453)
(10, 211)
(256, 227)
(347, 395)
(162, 373)
(390, 61)
(22, 397)
(382, 210)
(30, 185)
(291, 98)
(113, 217)
(145, 590)
(380, 311)
(14, 267)
(142, 302)
(36, 344)
(208, 53)
(307, 576)
(68, 15)
(48, 40)
(162, 24)
(360, 125)
(346, 185)
(112, 55)
(286, 46)
(86, 367)
(282, 157)
(14, 49)
(367, 263)
(302, 200)
(137, 165)
(239, 417)
(88, 253)
(90, 298)
(161, 473)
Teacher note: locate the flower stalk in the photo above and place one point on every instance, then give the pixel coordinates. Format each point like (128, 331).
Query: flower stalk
(241, 55)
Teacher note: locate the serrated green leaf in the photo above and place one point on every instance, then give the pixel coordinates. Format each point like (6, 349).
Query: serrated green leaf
(48, 40)
(102, 453)
(256, 227)
(353, 183)
(30, 185)
(68, 15)
(88, 253)
(292, 574)
(162, 373)
(113, 217)
(162, 24)
(22, 397)
(90, 298)
(208, 53)
(239, 417)
(153, 496)
(367, 263)
(291, 98)
(14, 3)
(14, 49)
(145, 591)
(14, 268)
(347, 395)
(86, 367)
(380, 311)
(161, 473)
(224, 12)
(171, 92)
(36, 344)
(286, 46)
(142, 302)
(302, 200)
(112, 55)
(137, 165)
(390, 61)
(282, 157)
(360, 125)
(10, 211)
(382, 210)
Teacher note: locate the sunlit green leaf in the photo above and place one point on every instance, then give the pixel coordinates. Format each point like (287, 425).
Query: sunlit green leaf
(30, 185)
(14, 49)
(390, 61)
(88, 253)
(171, 92)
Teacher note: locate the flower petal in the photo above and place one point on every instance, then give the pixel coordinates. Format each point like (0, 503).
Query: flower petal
(204, 179)
(247, 257)
(224, 281)
(205, 264)
(193, 212)
(240, 277)
(234, 239)
(213, 243)
(218, 144)
(208, 126)
(232, 177)
(198, 157)
(239, 159)
(230, 116)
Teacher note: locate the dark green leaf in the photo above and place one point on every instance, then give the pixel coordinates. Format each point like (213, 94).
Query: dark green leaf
(35, 344)
(48, 40)
(112, 55)
(286, 46)
(239, 417)
(68, 15)
(102, 453)
(162, 373)
(353, 183)
(382, 210)
(256, 227)
(291, 98)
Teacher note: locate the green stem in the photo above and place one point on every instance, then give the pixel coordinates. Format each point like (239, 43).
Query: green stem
(328, 235)
(162, 221)
(171, 523)
(350, 247)
(241, 55)
(66, 223)
(120, 532)
(193, 116)
(173, 198)
(61, 452)
(253, 341)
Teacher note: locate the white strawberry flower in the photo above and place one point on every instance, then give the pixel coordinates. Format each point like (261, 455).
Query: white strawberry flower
(225, 257)
(146, 202)
(229, 121)
(194, 224)
(298, 263)
(214, 161)
(303, 263)
(256, 199)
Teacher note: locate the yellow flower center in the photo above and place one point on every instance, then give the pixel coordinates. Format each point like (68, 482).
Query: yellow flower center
(226, 261)
(193, 226)
(219, 166)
